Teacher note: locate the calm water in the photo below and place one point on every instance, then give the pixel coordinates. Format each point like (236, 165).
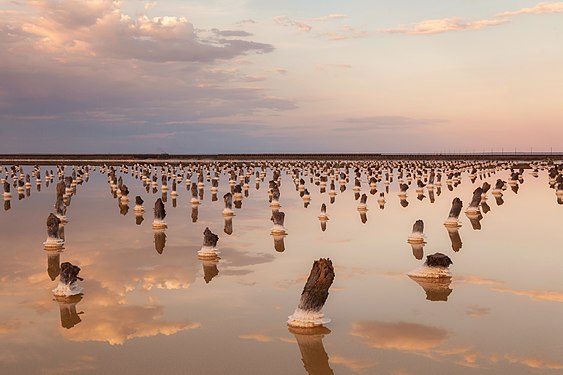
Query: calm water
(148, 312)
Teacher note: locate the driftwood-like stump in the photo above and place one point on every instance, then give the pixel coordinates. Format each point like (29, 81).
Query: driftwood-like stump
(457, 205)
(69, 273)
(61, 188)
(486, 187)
(60, 207)
(159, 211)
(476, 199)
(315, 292)
(53, 223)
(139, 201)
(278, 218)
(438, 260)
(418, 227)
(210, 239)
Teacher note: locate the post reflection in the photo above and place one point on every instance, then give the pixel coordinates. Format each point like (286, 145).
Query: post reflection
(67, 308)
(228, 228)
(417, 249)
(455, 238)
(436, 289)
(159, 240)
(210, 269)
(279, 244)
(313, 353)
(475, 220)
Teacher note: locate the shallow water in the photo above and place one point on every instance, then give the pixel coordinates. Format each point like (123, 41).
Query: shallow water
(148, 312)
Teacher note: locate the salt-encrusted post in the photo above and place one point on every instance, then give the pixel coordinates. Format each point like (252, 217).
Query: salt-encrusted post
(314, 296)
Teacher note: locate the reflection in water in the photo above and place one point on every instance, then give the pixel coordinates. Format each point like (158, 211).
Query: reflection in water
(418, 249)
(53, 264)
(139, 218)
(455, 238)
(7, 204)
(159, 240)
(313, 353)
(195, 212)
(123, 208)
(437, 289)
(209, 268)
(499, 200)
(363, 217)
(279, 244)
(404, 202)
(228, 228)
(67, 308)
(475, 220)
(486, 208)
(111, 319)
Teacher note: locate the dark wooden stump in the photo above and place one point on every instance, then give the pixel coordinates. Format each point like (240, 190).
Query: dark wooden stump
(315, 292)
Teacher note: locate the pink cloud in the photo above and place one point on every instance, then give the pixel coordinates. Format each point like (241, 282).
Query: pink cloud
(444, 25)
(541, 8)
(286, 21)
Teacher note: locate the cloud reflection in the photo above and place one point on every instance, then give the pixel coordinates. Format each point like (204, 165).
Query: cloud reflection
(399, 336)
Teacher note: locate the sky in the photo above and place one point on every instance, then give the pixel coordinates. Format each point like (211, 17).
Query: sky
(248, 76)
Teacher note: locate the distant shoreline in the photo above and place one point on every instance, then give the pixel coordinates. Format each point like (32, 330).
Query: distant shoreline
(177, 158)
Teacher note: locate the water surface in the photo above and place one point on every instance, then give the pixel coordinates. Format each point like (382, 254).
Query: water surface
(143, 311)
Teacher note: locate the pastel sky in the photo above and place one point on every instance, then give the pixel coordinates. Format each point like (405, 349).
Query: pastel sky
(218, 76)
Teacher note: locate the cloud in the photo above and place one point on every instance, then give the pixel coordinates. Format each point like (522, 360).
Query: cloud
(541, 8)
(371, 123)
(534, 362)
(355, 365)
(539, 295)
(399, 336)
(228, 33)
(86, 67)
(477, 311)
(326, 67)
(328, 17)
(100, 28)
(9, 326)
(257, 337)
(443, 25)
(109, 319)
(345, 32)
(286, 21)
(246, 22)
(477, 280)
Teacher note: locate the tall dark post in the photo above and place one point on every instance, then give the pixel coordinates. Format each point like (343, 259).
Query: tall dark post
(314, 296)
(453, 216)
